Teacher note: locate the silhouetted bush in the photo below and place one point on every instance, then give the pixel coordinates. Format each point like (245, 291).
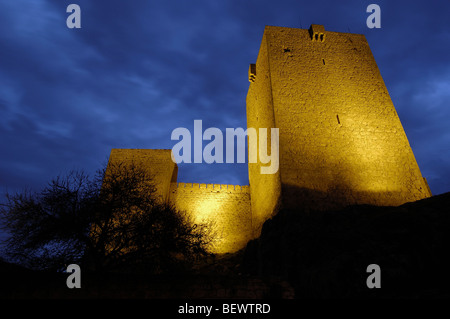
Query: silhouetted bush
(110, 223)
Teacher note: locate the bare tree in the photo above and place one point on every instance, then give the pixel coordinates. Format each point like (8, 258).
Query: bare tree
(50, 227)
(135, 230)
(112, 222)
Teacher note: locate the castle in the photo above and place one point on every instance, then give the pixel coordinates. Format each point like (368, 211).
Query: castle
(341, 141)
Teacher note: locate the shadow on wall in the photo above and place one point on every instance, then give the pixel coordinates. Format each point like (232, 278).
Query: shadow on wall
(337, 196)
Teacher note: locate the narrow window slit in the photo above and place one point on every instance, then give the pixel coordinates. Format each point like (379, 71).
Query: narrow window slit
(339, 122)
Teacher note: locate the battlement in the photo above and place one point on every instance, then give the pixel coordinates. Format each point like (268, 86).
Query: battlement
(214, 187)
(317, 32)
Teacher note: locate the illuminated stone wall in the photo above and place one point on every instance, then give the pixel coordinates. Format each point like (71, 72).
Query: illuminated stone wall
(265, 188)
(341, 141)
(227, 207)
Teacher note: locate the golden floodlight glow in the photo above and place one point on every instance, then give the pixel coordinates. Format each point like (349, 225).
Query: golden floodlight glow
(340, 139)
(225, 209)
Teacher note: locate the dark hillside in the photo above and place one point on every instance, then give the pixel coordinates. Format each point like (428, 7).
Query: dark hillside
(326, 254)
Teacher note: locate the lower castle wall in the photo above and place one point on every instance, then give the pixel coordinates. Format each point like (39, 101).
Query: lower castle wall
(227, 207)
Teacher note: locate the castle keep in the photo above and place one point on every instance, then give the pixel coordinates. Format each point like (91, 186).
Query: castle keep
(340, 139)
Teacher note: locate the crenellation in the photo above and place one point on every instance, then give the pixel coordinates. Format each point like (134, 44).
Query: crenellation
(211, 187)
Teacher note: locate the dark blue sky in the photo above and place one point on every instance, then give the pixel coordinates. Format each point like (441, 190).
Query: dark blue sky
(136, 70)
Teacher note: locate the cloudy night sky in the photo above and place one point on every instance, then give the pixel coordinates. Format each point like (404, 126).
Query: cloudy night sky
(137, 70)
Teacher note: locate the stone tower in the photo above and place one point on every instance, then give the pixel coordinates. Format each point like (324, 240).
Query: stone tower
(340, 139)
